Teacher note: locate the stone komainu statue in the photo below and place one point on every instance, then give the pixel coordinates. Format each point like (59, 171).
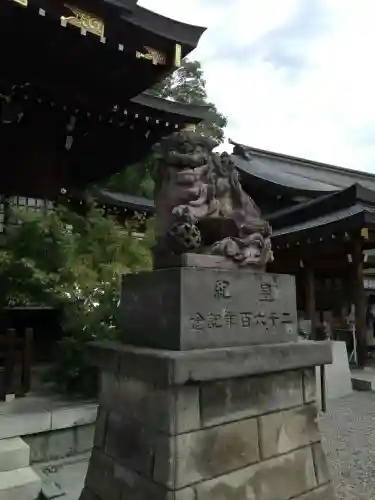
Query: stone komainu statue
(201, 206)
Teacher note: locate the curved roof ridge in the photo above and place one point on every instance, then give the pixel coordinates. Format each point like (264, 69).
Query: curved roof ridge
(198, 111)
(179, 31)
(248, 150)
(117, 198)
(324, 219)
(285, 179)
(354, 195)
(299, 206)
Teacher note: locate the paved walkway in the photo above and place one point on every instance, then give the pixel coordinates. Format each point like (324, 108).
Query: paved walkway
(349, 439)
(63, 476)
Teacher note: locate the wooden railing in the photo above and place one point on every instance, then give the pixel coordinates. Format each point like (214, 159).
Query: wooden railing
(15, 351)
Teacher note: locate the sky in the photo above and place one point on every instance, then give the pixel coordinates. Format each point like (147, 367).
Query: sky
(292, 76)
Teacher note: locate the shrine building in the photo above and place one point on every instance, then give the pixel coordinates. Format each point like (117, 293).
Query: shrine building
(75, 109)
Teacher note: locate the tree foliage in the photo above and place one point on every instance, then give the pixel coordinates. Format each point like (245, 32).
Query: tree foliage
(136, 180)
(187, 85)
(72, 263)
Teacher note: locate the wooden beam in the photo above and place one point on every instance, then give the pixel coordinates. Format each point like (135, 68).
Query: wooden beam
(309, 281)
(27, 357)
(9, 363)
(320, 250)
(330, 265)
(359, 300)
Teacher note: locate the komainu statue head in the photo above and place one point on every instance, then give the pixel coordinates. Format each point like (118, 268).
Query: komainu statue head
(201, 206)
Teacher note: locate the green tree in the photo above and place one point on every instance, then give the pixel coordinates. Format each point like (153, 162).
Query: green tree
(136, 179)
(187, 85)
(72, 263)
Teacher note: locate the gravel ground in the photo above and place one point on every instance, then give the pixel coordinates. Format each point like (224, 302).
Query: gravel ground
(348, 428)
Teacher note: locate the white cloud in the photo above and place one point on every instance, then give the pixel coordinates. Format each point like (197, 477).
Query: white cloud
(293, 76)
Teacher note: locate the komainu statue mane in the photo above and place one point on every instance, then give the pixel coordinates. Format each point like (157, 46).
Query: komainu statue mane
(201, 206)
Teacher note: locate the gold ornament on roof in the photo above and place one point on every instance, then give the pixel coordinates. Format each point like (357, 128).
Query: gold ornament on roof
(22, 2)
(84, 20)
(156, 56)
(177, 55)
(190, 127)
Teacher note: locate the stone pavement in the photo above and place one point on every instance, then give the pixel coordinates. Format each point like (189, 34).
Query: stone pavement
(63, 479)
(349, 438)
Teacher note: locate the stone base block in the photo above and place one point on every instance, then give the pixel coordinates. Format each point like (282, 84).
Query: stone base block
(194, 308)
(196, 432)
(163, 367)
(60, 443)
(281, 478)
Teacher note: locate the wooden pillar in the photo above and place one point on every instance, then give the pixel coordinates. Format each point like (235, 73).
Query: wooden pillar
(27, 357)
(9, 362)
(359, 300)
(7, 213)
(309, 279)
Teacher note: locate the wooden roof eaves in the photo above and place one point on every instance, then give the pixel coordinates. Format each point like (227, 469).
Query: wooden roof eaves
(123, 200)
(195, 112)
(353, 218)
(316, 233)
(283, 181)
(323, 205)
(369, 220)
(171, 31)
(364, 194)
(278, 217)
(185, 34)
(366, 176)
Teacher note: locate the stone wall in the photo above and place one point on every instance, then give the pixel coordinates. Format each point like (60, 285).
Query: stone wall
(60, 443)
(252, 437)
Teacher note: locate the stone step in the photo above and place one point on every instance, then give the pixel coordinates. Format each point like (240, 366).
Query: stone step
(36, 414)
(363, 379)
(360, 384)
(14, 454)
(19, 484)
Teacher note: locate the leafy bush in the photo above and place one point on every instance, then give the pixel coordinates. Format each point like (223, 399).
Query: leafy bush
(72, 263)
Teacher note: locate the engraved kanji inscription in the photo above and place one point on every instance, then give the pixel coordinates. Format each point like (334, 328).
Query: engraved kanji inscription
(221, 290)
(266, 293)
(197, 321)
(246, 319)
(274, 318)
(260, 319)
(214, 320)
(286, 318)
(230, 318)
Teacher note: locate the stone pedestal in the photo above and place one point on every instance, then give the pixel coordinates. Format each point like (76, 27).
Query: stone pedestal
(214, 423)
